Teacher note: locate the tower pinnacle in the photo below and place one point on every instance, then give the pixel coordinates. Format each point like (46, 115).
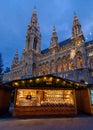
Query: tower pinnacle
(54, 38)
(34, 16)
(15, 60)
(76, 29)
(77, 35)
(33, 36)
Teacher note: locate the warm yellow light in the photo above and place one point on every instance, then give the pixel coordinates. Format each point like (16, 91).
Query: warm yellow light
(72, 53)
(77, 84)
(16, 84)
(30, 81)
(57, 80)
(50, 78)
(44, 78)
(23, 82)
(64, 83)
(79, 42)
(37, 80)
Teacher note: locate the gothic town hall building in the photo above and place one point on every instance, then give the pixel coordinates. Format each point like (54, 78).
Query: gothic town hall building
(71, 59)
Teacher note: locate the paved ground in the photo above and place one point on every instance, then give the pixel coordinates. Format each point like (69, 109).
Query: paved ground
(75, 123)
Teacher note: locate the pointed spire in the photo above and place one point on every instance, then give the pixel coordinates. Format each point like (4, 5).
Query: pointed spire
(54, 38)
(54, 33)
(76, 29)
(15, 60)
(34, 16)
(33, 36)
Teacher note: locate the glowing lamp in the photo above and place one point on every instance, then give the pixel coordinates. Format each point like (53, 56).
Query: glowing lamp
(44, 78)
(50, 78)
(37, 80)
(23, 82)
(57, 80)
(16, 84)
(30, 81)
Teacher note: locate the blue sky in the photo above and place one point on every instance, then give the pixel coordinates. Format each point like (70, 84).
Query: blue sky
(15, 15)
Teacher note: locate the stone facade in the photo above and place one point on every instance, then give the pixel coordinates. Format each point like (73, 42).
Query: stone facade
(71, 59)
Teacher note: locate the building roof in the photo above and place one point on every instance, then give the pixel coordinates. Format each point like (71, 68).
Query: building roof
(46, 81)
(65, 42)
(45, 51)
(88, 43)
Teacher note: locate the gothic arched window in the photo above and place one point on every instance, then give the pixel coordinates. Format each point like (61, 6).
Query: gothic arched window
(35, 43)
(34, 69)
(47, 67)
(79, 60)
(71, 65)
(64, 62)
(53, 69)
(59, 65)
(40, 70)
(43, 69)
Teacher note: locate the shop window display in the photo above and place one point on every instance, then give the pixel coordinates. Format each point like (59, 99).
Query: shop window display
(28, 97)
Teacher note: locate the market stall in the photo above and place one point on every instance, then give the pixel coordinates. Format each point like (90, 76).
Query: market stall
(44, 95)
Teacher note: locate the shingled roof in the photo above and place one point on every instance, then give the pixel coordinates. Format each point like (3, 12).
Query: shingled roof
(45, 51)
(64, 43)
(88, 43)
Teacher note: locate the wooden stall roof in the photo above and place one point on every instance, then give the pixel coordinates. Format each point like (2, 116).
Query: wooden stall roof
(46, 81)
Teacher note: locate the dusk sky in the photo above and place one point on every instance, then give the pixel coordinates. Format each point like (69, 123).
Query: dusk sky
(15, 15)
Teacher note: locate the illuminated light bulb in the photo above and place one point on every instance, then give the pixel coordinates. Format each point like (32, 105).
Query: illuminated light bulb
(57, 80)
(16, 84)
(30, 81)
(44, 78)
(23, 82)
(64, 82)
(51, 78)
(37, 80)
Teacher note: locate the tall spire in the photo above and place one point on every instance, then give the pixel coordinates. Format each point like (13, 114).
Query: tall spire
(76, 29)
(15, 60)
(33, 36)
(54, 38)
(34, 16)
(34, 21)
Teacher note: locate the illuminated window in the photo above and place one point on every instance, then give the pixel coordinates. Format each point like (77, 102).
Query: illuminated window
(64, 63)
(77, 42)
(53, 69)
(47, 68)
(79, 59)
(34, 69)
(71, 65)
(59, 65)
(28, 97)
